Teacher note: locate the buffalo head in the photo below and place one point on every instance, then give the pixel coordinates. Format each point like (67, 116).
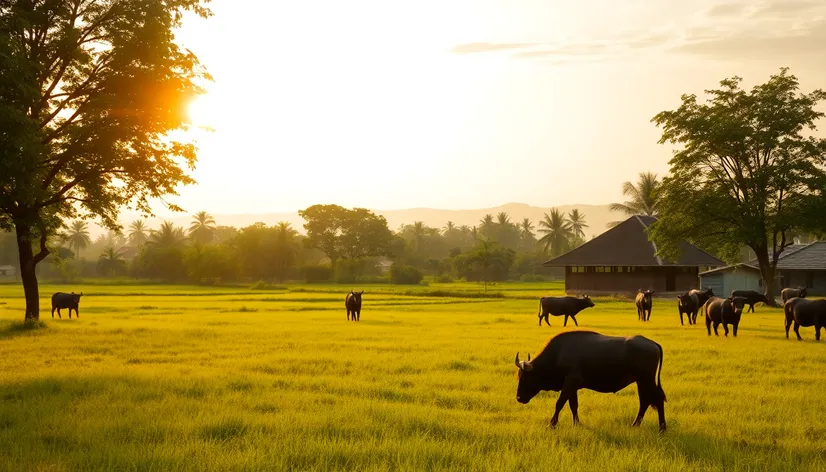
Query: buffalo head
(590, 302)
(356, 295)
(738, 303)
(528, 385)
(76, 297)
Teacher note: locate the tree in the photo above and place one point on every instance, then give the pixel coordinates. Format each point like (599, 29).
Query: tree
(486, 262)
(90, 92)
(578, 223)
(137, 235)
(643, 197)
(526, 228)
(111, 262)
(557, 233)
(744, 173)
(168, 236)
(342, 233)
(486, 225)
(77, 236)
(202, 228)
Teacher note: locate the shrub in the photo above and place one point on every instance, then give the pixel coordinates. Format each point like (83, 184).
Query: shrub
(443, 279)
(531, 278)
(261, 285)
(317, 273)
(405, 275)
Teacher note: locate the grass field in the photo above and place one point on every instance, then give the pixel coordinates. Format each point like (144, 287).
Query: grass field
(191, 378)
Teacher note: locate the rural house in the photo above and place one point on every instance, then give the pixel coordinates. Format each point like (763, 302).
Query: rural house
(7, 271)
(800, 265)
(623, 260)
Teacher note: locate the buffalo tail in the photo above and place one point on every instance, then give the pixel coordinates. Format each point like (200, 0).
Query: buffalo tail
(660, 390)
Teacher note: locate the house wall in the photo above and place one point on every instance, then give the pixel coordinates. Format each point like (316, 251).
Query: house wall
(814, 280)
(653, 278)
(723, 283)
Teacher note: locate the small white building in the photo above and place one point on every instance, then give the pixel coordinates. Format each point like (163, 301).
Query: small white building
(7, 271)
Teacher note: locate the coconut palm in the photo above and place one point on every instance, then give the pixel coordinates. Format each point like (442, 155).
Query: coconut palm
(449, 228)
(557, 232)
(111, 261)
(578, 223)
(138, 233)
(202, 227)
(502, 218)
(642, 197)
(167, 236)
(77, 236)
(526, 229)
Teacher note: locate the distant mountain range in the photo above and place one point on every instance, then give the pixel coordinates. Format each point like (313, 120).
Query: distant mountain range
(596, 216)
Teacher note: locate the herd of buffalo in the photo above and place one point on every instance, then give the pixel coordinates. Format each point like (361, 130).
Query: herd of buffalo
(584, 359)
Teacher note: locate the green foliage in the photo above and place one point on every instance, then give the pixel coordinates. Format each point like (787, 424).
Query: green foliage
(317, 273)
(111, 263)
(557, 233)
(643, 198)
(343, 233)
(485, 263)
(261, 285)
(202, 229)
(405, 275)
(744, 172)
(210, 264)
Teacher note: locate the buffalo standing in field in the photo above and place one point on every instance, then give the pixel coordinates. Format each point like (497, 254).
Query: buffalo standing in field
(353, 305)
(562, 306)
(788, 293)
(689, 304)
(644, 303)
(806, 313)
(702, 297)
(607, 364)
(751, 297)
(725, 311)
(66, 300)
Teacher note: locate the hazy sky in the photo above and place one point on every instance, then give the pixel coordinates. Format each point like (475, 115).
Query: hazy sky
(465, 104)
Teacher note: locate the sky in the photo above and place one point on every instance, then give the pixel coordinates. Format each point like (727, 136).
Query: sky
(462, 104)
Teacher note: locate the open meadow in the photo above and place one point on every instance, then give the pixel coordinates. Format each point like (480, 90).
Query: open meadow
(193, 378)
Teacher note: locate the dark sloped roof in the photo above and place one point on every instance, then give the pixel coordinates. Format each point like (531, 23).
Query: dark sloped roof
(810, 257)
(787, 251)
(627, 244)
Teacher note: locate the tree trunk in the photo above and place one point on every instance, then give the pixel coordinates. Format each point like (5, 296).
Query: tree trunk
(28, 262)
(767, 271)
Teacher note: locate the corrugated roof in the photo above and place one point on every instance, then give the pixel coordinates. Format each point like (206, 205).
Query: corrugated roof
(627, 244)
(810, 257)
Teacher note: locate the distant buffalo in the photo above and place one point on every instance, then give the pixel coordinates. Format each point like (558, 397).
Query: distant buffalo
(583, 359)
(66, 300)
(353, 305)
(562, 306)
(787, 293)
(688, 303)
(751, 297)
(644, 303)
(725, 311)
(806, 313)
(702, 296)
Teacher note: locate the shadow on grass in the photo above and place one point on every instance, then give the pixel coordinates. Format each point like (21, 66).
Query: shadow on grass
(22, 328)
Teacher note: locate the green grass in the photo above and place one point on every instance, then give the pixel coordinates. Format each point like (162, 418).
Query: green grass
(191, 378)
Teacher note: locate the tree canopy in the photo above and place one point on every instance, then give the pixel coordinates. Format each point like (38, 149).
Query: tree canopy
(343, 233)
(745, 171)
(90, 91)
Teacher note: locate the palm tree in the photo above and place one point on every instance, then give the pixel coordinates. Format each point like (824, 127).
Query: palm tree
(202, 227)
(578, 223)
(418, 230)
(642, 197)
(557, 232)
(502, 218)
(285, 229)
(486, 225)
(138, 233)
(110, 261)
(167, 236)
(77, 237)
(449, 228)
(526, 229)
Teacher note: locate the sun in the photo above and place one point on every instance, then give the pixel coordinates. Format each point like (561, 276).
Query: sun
(201, 111)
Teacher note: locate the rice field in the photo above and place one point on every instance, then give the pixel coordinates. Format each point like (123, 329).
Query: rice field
(192, 378)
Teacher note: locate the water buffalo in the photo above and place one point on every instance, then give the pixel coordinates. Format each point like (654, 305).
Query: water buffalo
(751, 297)
(688, 303)
(585, 359)
(725, 311)
(66, 300)
(702, 296)
(644, 303)
(353, 305)
(806, 313)
(559, 306)
(787, 293)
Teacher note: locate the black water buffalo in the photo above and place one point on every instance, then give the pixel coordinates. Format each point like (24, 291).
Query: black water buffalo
(806, 313)
(585, 359)
(644, 303)
(751, 297)
(702, 296)
(689, 304)
(66, 300)
(559, 306)
(787, 293)
(725, 311)
(353, 305)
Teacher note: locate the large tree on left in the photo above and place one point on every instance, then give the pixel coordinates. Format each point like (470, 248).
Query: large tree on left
(90, 91)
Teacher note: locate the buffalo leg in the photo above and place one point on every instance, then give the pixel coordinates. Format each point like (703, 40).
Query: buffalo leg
(560, 403)
(725, 329)
(817, 332)
(645, 400)
(797, 330)
(751, 308)
(716, 325)
(575, 322)
(77, 313)
(540, 320)
(573, 403)
(546, 320)
(788, 324)
(358, 315)
(566, 321)
(681, 319)
(348, 315)
(659, 404)
(708, 325)
(734, 328)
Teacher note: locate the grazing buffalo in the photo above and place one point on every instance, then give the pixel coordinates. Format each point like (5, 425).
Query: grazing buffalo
(607, 364)
(806, 313)
(66, 300)
(559, 306)
(644, 304)
(751, 297)
(353, 305)
(787, 293)
(689, 304)
(702, 296)
(725, 311)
